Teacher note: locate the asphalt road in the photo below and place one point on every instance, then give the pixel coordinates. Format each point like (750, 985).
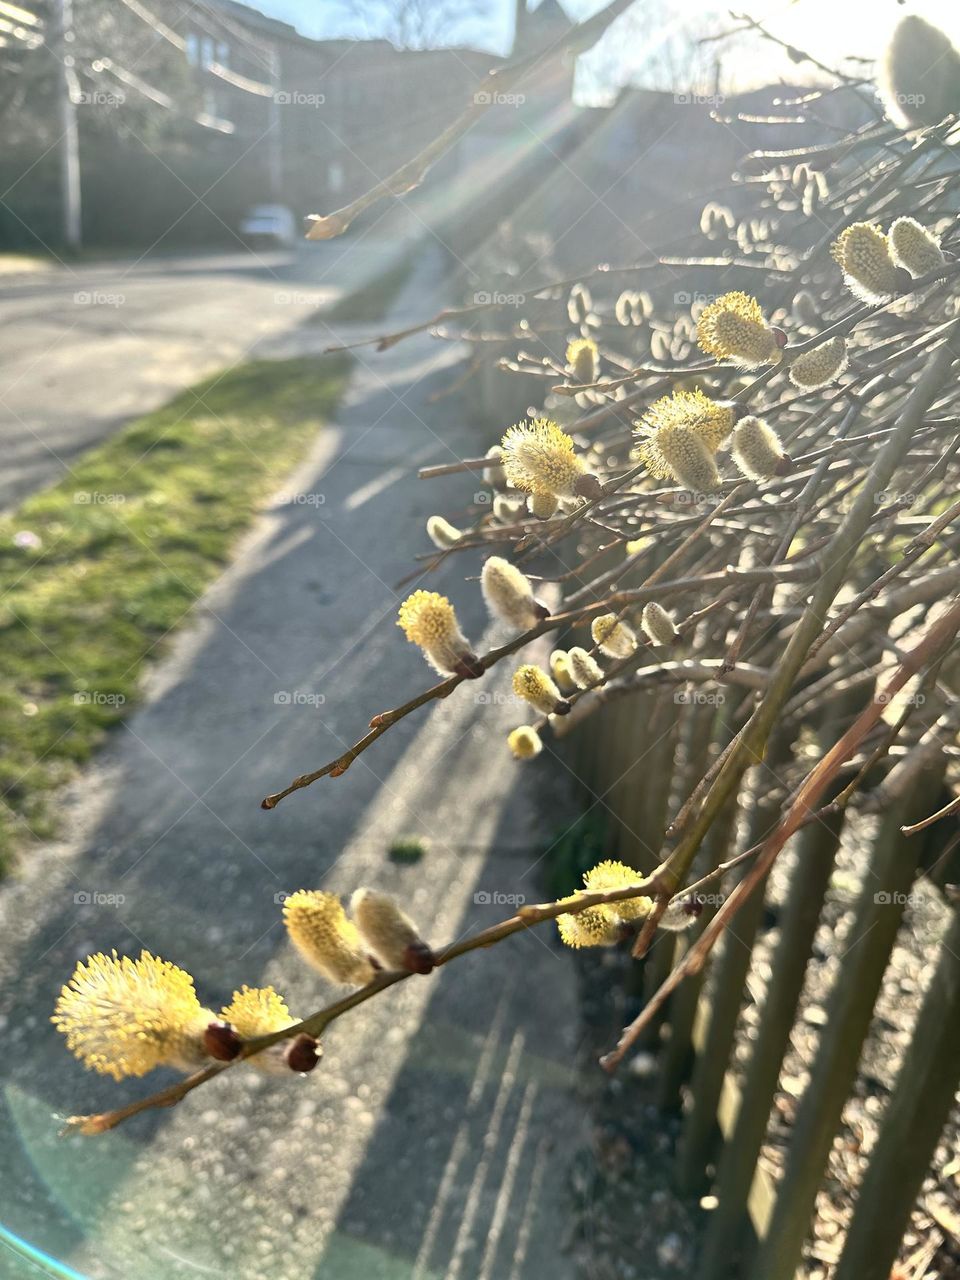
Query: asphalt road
(435, 1140)
(87, 347)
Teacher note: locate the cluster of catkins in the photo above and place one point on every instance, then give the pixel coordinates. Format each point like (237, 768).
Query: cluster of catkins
(607, 923)
(680, 438)
(878, 267)
(682, 434)
(124, 1017)
(429, 620)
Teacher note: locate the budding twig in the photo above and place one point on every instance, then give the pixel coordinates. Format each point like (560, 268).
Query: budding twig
(799, 572)
(318, 1022)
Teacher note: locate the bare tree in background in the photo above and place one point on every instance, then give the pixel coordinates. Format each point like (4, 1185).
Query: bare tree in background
(642, 51)
(414, 24)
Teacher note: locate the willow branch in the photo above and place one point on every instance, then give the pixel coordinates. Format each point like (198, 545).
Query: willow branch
(938, 637)
(317, 1023)
(945, 812)
(700, 671)
(798, 572)
(411, 174)
(835, 559)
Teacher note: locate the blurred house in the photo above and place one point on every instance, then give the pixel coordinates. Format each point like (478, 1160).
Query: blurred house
(228, 108)
(636, 183)
(191, 112)
(347, 112)
(634, 189)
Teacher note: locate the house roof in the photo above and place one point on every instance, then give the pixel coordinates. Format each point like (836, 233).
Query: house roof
(536, 25)
(549, 11)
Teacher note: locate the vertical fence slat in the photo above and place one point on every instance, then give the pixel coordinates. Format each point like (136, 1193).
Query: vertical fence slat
(579, 750)
(652, 795)
(700, 1129)
(627, 797)
(657, 744)
(609, 749)
(678, 1055)
(707, 731)
(816, 851)
(890, 874)
(911, 1125)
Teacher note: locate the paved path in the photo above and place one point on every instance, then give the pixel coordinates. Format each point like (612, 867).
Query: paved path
(86, 347)
(433, 1140)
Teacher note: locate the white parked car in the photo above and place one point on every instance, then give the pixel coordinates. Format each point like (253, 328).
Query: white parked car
(270, 224)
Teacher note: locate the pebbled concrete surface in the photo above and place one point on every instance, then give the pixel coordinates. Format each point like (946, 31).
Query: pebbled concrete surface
(433, 1139)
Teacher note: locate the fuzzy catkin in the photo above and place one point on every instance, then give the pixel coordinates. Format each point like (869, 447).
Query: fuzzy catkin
(608, 876)
(756, 449)
(711, 420)
(509, 595)
(820, 366)
(542, 505)
(613, 636)
(387, 931)
(583, 360)
(733, 328)
(494, 475)
(540, 458)
(259, 1011)
(330, 943)
(585, 671)
(534, 685)
(442, 533)
(524, 742)
(591, 927)
(507, 509)
(863, 253)
(560, 670)
(124, 1017)
(914, 248)
(686, 457)
(657, 624)
(428, 620)
(681, 914)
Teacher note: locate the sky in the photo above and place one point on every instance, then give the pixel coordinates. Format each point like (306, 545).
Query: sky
(487, 24)
(636, 51)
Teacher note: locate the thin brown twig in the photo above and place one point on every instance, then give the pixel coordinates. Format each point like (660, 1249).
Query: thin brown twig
(410, 174)
(317, 1023)
(797, 572)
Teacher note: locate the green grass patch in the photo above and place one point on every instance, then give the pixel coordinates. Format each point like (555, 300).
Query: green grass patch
(96, 571)
(407, 850)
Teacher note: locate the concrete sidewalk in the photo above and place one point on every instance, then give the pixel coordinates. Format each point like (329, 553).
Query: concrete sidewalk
(433, 1139)
(88, 346)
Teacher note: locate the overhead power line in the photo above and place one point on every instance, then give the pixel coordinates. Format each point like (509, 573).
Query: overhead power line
(161, 28)
(157, 96)
(20, 25)
(243, 83)
(24, 16)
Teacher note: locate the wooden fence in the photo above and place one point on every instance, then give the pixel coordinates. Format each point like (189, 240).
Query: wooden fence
(638, 757)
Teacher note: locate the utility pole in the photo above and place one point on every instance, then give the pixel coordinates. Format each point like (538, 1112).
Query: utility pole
(275, 133)
(69, 140)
